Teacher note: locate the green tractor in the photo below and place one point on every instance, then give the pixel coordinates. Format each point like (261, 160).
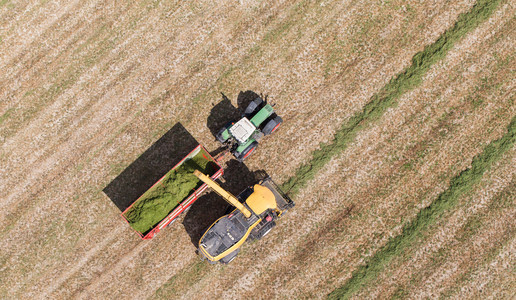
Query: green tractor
(258, 120)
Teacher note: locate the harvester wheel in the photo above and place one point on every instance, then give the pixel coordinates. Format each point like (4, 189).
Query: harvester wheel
(264, 231)
(250, 149)
(229, 258)
(272, 125)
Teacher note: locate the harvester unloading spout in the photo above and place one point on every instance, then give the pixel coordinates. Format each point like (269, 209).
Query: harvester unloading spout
(223, 193)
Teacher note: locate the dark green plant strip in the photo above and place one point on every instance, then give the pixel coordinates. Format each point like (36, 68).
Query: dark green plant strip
(388, 95)
(414, 230)
(156, 203)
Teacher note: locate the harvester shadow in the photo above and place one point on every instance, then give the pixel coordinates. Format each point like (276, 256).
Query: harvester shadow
(218, 151)
(224, 111)
(210, 206)
(155, 162)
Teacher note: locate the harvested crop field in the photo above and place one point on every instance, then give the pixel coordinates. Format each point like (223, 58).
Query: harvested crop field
(398, 145)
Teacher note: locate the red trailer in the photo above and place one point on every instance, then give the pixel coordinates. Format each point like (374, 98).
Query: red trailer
(215, 171)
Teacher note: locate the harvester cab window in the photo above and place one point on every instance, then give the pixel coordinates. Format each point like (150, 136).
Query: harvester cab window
(224, 234)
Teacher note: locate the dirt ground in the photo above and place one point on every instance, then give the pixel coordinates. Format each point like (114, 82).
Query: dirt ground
(86, 87)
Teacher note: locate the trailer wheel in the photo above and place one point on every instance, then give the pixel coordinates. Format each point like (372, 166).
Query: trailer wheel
(272, 125)
(247, 151)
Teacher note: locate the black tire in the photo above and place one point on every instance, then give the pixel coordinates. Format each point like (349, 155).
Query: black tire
(264, 231)
(272, 125)
(253, 107)
(229, 258)
(247, 151)
(219, 134)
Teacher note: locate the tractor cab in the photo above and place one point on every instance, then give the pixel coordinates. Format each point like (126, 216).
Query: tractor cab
(242, 130)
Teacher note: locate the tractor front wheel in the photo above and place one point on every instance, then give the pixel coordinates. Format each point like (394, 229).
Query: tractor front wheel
(220, 136)
(247, 151)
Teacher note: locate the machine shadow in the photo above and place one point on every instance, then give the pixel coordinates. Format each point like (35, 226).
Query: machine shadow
(224, 112)
(155, 162)
(221, 113)
(209, 207)
(244, 98)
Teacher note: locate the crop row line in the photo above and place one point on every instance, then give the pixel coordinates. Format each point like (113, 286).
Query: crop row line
(414, 230)
(379, 103)
(387, 97)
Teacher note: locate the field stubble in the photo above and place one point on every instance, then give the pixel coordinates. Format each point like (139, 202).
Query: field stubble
(82, 96)
(435, 140)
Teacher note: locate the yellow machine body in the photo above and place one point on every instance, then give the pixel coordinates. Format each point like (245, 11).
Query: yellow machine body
(254, 217)
(261, 199)
(232, 248)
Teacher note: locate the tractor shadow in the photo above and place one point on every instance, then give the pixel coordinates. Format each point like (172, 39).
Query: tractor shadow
(221, 113)
(155, 162)
(210, 206)
(244, 98)
(224, 111)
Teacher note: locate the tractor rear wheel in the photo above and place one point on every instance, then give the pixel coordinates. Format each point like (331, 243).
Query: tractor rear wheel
(253, 107)
(272, 125)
